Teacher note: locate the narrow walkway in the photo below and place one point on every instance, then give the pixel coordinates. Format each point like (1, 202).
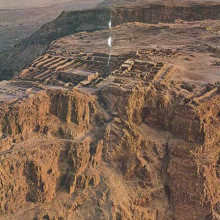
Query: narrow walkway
(5, 152)
(35, 143)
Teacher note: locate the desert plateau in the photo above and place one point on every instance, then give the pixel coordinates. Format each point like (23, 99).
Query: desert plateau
(113, 113)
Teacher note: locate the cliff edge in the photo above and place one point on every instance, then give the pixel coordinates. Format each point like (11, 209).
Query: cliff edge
(131, 131)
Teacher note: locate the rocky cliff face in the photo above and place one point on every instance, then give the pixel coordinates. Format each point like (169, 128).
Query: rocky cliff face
(95, 161)
(134, 134)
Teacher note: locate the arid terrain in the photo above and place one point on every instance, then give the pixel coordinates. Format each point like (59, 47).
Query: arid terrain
(115, 120)
(19, 22)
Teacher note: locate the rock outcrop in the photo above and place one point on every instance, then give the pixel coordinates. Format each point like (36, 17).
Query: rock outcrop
(131, 134)
(148, 158)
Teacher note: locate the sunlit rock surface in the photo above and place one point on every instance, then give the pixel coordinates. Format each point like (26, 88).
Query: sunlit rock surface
(89, 131)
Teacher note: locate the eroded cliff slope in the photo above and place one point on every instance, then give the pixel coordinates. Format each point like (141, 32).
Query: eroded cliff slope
(113, 154)
(127, 132)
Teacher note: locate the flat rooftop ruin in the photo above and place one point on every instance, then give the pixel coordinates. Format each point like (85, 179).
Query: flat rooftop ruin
(77, 76)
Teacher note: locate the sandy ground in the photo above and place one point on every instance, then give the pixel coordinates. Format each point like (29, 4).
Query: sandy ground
(17, 24)
(195, 41)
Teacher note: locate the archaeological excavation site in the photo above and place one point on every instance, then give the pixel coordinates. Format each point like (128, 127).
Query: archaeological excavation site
(113, 113)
